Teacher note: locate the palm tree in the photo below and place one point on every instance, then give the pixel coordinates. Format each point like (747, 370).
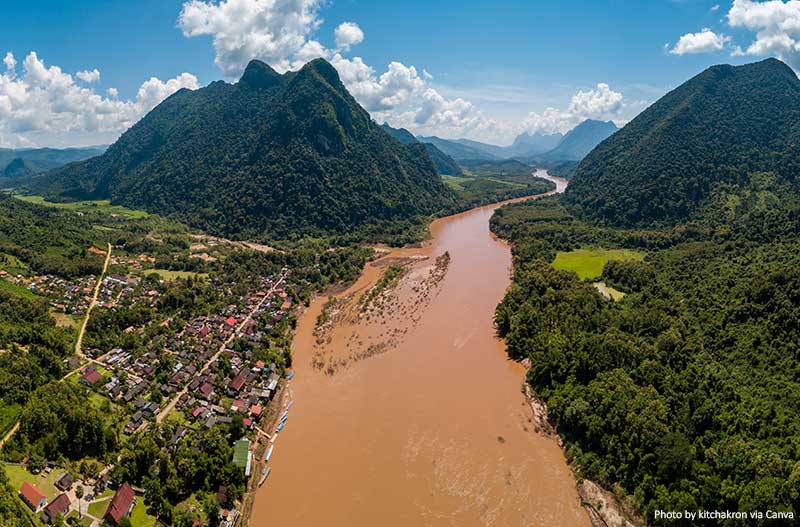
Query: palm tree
(79, 495)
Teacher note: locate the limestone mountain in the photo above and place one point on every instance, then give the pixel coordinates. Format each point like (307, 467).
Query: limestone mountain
(725, 132)
(273, 155)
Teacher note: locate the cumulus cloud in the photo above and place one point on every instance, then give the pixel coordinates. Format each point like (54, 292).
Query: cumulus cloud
(599, 103)
(44, 103)
(275, 31)
(776, 24)
(10, 62)
(89, 76)
(282, 34)
(348, 34)
(704, 41)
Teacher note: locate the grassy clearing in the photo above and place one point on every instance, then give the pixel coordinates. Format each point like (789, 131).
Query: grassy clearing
(609, 292)
(168, 275)
(16, 290)
(17, 475)
(456, 182)
(589, 263)
(62, 319)
(103, 206)
(12, 264)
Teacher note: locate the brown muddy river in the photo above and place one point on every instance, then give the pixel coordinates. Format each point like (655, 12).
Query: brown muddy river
(407, 412)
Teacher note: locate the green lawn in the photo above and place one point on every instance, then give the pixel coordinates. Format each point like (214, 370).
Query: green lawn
(589, 263)
(139, 516)
(102, 206)
(17, 290)
(85, 521)
(17, 475)
(98, 508)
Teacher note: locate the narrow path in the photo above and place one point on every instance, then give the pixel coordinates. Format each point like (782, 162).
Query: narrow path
(79, 341)
(167, 409)
(9, 435)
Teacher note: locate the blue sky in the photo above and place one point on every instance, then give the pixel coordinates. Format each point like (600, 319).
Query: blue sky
(491, 69)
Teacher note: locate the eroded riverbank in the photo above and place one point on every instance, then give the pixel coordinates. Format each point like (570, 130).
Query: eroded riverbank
(411, 413)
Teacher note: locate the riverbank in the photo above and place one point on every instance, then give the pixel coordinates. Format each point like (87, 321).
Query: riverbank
(603, 507)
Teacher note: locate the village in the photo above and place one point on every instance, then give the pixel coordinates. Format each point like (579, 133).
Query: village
(198, 371)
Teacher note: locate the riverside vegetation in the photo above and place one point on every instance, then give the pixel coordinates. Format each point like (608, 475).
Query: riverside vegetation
(684, 395)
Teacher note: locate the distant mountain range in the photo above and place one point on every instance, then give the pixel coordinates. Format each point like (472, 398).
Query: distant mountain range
(578, 142)
(544, 150)
(280, 156)
(17, 163)
(444, 163)
(727, 139)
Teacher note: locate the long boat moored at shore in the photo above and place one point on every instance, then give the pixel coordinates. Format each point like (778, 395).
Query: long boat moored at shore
(268, 453)
(264, 475)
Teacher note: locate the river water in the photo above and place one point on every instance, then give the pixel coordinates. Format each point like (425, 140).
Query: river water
(412, 414)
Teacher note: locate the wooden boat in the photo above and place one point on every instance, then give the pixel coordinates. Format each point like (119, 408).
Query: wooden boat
(264, 474)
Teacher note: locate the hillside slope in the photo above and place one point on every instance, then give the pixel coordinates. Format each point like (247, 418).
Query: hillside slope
(278, 156)
(706, 137)
(444, 164)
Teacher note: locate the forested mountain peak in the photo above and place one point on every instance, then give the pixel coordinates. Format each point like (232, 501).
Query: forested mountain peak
(259, 74)
(706, 137)
(271, 156)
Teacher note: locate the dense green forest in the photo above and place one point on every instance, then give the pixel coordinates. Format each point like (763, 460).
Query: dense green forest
(47, 240)
(686, 392)
(706, 136)
(270, 157)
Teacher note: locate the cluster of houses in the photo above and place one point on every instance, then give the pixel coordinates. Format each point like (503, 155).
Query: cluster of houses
(213, 399)
(66, 296)
(119, 506)
(208, 395)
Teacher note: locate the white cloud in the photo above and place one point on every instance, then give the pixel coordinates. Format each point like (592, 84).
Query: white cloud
(113, 93)
(154, 90)
(275, 31)
(89, 76)
(348, 34)
(44, 105)
(777, 27)
(714, 8)
(10, 62)
(704, 41)
(282, 34)
(599, 103)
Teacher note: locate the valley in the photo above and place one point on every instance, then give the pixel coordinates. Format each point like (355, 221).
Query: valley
(409, 412)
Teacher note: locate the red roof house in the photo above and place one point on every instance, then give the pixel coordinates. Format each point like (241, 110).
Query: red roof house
(60, 505)
(206, 390)
(237, 384)
(121, 504)
(32, 496)
(91, 377)
(231, 321)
